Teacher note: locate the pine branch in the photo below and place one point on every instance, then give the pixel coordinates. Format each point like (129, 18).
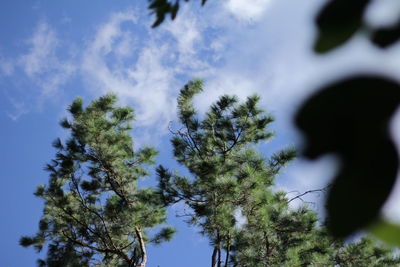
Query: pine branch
(84, 204)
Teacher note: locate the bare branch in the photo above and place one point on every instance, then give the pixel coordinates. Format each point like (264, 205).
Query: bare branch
(321, 190)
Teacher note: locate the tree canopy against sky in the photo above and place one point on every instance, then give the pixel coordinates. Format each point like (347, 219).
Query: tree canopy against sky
(216, 152)
(95, 214)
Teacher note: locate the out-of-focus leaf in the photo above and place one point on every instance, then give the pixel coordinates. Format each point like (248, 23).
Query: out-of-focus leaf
(337, 22)
(385, 37)
(386, 231)
(164, 7)
(351, 118)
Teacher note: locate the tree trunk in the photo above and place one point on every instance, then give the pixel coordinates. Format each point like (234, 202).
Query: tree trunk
(228, 250)
(219, 256)
(142, 247)
(214, 258)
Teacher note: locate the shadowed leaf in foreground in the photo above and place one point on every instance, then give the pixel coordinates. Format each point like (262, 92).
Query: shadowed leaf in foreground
(351, 119)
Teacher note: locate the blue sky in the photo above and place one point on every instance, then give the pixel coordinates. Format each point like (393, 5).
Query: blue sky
(53, 51)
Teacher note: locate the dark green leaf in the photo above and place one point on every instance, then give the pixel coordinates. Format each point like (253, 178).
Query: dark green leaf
(337, 23)
(386, 36)
(351, 119)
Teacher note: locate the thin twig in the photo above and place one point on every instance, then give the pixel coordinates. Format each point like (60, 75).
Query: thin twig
(308, 192)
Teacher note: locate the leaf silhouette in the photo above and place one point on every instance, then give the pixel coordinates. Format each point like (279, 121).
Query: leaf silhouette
(161, 8)
(337, 22)
(351, 119)
(386, 36)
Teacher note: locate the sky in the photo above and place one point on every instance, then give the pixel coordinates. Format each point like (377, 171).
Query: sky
(53, 51)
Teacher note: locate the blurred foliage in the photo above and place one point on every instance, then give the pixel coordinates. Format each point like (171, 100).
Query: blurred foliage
(340, 20)
(161, 8)
(337, 23)
(351, 119)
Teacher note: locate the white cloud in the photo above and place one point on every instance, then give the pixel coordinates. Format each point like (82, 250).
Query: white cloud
(146, 67)
(144, 82)
(185, 30)
(40, 67)
(42, 63)
(248, 10)
(224, 83)
(124, 47)
(194, 50)
(42, 47)
(108, 33)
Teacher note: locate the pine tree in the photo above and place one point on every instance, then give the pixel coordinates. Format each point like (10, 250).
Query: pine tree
(225, 167)
(276, 235)
(365, 252)
(228, 175)
(95, 214)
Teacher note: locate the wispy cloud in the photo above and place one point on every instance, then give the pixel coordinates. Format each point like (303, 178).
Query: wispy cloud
(185, 31)
(19, 109)
(146, 67)
(41, 66)
(114, 62)
(42, 63)
(6, 66)
(42, 47)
